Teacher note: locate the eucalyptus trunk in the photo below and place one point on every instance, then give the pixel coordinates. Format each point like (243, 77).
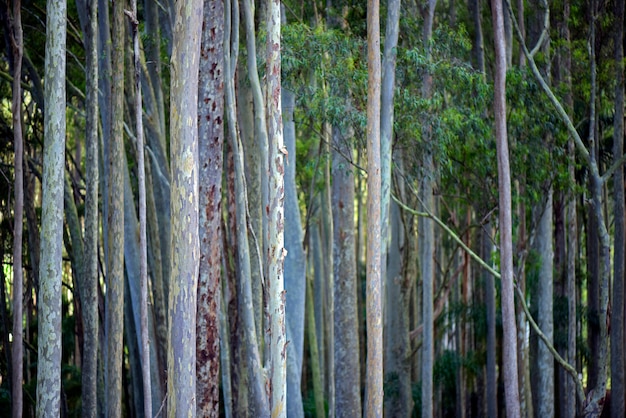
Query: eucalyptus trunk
(50, 273)
(181, 362)
(427, 234)
(295, 265)
(374, 385)
(346, 326)
(114, 319)
(89, 295)
(211, 143)
(509, 343)
(17, 347)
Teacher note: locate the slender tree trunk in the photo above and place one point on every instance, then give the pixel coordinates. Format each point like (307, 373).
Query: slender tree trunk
(618, 384)
(374, 388)
(545, 361)
(346, 327)
(90, 288)
(181, 363)
(509, 349)
(144, 347)
(50, 274)
(258, 402)
(490, 302)
(427, 244)
(295, 265)
(211, 141)
(115, 224)
(17, 348)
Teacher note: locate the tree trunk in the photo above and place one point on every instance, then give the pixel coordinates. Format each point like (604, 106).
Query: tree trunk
(545, 361)
(399, 401)
(114, 324)
(618, 384)
(258, 402)
(211, 141)
(295, 265)
(90, 289)
(181, 363)
(509, 349)
(427, 243)
(50, 273)
(17, 348)
(276, 216)
(144, 347)
(346, 326)
(490, 302)
(374, 387)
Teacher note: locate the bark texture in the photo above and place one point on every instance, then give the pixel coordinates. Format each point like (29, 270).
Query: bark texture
(346, 326)
(181, 361)
(374, 387)
(114, 324)
(50, 273)
(211, 144)
(89, 292)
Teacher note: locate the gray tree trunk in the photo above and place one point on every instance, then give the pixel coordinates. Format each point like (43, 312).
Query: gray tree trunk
(295, 265)
(427, 237)
(211, 142)
(545, 390)
(490, 302)
(346, 326)
(399, 402)
(181, 363)
(114, 319)
(50, 273)
(509, 349)
(89, 295)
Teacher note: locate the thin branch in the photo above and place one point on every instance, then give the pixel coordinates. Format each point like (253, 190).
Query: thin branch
(542, 82)
(569, 368)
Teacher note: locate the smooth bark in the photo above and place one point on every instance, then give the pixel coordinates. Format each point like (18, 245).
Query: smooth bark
(181, 361)
(374, 385)
(295, 264)
(50, 273)
(509, 343)
(346, 326)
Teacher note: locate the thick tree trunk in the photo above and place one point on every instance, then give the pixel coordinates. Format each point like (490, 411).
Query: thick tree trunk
(346, 326)
(276, 152)
(374, 387)
(509, 349)
(50, 273)
(211, 141)
(184, 208)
